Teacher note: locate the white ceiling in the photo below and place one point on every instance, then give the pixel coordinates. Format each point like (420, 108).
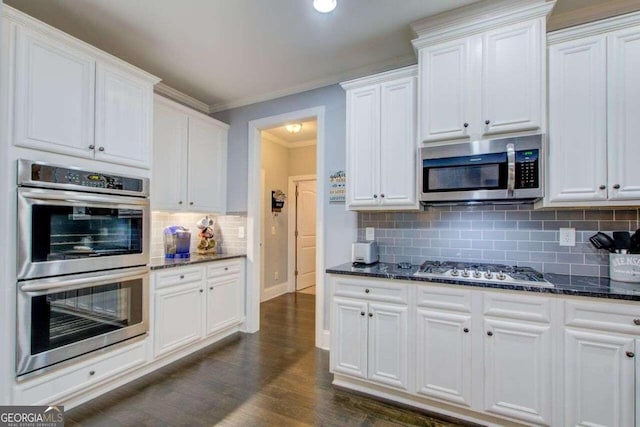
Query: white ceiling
(307, 133)
(229, 53)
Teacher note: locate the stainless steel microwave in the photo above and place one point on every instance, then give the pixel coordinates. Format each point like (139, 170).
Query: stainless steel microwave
(507, 170)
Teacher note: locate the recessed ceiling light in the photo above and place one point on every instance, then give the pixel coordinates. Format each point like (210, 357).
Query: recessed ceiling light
(293, 127)
(324, 6)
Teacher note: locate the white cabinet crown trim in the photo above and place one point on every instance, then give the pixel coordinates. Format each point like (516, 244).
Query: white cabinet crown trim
(594, 28)
(477, 18)
(410, 71)
(160, 98)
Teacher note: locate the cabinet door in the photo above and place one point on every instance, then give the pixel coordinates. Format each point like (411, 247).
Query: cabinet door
(624, 110)
(388, 348)
(54, 96)
(398, 144)
(178, 317)
(518, 370)
(224, 303)
(578, 120)
(124, 109)
(599, 379)
(363, 146)
(512, 78)
(169, 172)
(444, 91)
(207, 172)
(349, 337)
(443, 355)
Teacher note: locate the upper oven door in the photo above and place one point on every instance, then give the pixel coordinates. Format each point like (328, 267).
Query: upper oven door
(64, 232)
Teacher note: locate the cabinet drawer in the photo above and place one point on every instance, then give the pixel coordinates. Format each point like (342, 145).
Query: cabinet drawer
(601, 316)
(178, 276)
(371, 290)
(220, 268)
(523, 307)
(444, 298)
(55, 387)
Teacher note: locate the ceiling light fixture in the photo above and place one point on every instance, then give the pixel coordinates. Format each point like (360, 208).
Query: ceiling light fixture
(293, 127)
(324, 6)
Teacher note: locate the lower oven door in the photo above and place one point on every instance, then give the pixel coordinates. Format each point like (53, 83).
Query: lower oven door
(65, 317)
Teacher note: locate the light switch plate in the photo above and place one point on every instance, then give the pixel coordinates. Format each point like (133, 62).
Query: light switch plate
(370, 233)
(273, 230)
(567, 237)
(241, 232)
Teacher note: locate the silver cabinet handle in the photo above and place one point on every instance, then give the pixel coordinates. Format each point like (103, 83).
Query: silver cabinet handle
(511, 169)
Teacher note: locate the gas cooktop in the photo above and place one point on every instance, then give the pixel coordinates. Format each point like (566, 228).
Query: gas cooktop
(479, 272)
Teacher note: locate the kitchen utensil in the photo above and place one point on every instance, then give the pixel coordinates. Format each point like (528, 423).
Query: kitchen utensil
(602, 241)
(635, 243)
(622, 241)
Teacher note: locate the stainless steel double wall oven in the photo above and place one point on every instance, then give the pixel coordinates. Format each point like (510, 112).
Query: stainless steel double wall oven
(83, 251)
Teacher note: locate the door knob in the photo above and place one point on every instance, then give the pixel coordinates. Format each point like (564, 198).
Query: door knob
(603, 187)
(487, 122)
(630, 354)
(490, 333)
(616, 187)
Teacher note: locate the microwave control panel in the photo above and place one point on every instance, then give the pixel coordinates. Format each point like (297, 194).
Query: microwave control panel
(527, 169)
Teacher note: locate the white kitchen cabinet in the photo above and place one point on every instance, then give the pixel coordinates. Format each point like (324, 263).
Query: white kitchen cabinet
(225, 303)
(178, 317)
(189, 160)
(445, 90)
(349, 337)
(76, 100)
(388, 344)
(443, 356)
(54, 95)
(593, 103)
(599, 374)
(483, 84)
(124, 108)
(623, 112)
(381, 146)
(517, 381)
(511, 84)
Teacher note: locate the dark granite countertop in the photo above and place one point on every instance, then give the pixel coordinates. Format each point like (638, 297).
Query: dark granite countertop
(595, 287)
(158, 263)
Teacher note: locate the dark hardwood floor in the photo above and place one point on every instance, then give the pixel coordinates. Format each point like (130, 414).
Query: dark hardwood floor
(273, 377)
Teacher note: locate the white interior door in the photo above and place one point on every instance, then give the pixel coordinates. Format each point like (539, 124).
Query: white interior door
(305, 234)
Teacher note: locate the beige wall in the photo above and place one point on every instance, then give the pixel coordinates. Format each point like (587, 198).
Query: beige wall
(302, 161)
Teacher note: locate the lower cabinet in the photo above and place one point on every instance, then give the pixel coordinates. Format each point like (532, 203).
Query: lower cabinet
(225, 304)
(371, 341)
(178, 314)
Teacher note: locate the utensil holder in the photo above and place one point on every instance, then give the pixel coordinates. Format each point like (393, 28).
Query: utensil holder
(624, 268)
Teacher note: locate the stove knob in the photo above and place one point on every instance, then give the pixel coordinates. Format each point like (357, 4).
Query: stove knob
(477, 274)
(465, 272)
(501, 276)
(488, 275)
(454, 272)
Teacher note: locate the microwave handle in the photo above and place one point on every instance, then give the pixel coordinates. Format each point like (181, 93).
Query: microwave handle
(511, 170)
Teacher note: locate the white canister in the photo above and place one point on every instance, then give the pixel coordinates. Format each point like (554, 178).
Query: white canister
(624, 268)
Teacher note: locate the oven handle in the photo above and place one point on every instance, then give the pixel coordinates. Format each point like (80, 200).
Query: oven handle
(511, 170)
(59, 284)
(75, 197)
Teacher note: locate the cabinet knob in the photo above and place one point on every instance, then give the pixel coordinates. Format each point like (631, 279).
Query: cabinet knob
(636, 322)
(603, 187)
(181, 276)
(366, 291)
(616, 187)
(180, 202)
(226, 269)
(630, 354)
(375, 196)
(191, 203)
(92, 147)
(100, 148)
(490, 333)
(466, 330)
(362, 313)
(466, 125)
(201, 290)
(487, 122)
(92, 373)
(210, 288)
(370, 314)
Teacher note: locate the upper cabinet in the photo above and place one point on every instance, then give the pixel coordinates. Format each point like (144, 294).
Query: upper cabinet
(381, 145)
(70, 98)
(189, 160)
(594, 98)
(481, 77)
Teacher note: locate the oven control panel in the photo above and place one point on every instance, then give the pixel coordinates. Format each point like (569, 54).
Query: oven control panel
(527, 169)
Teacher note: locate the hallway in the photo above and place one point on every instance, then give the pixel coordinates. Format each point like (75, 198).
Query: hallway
(273, 377)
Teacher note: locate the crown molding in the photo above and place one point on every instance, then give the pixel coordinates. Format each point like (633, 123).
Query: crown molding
(182, 98)
(592, 13)
(287, 144)
(396, 62)
(175, 105)
(476, 18)
(594, 28)
(410, 71)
